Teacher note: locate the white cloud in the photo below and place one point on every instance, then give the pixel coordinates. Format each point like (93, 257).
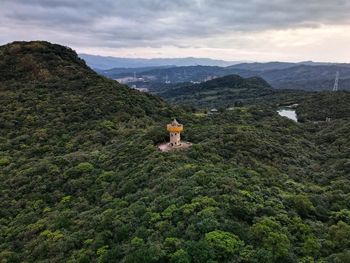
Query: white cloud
(249, 29)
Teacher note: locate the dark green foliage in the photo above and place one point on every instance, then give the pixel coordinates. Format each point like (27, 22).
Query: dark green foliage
(82, 179)
(226, 90)
(40, 60)
(322, 105)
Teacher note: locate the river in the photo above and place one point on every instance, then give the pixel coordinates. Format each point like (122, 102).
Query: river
(289, 113)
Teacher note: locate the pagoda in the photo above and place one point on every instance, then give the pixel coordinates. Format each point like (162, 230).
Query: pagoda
(175, 129)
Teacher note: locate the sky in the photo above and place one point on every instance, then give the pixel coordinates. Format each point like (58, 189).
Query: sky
(235, 30)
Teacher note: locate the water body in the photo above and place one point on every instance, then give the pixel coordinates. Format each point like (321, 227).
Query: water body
(289, 113)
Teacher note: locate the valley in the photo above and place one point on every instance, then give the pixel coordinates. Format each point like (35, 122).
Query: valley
(306, 76)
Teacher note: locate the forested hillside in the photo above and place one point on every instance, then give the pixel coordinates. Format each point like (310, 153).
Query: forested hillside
(227, 91)
(321, 105)
(81, 178)
(221, 91)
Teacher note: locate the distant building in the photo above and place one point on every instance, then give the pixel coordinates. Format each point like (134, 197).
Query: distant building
(209, 78)
(125, 80)
(142, 89)
(167, 81)
(213, 111)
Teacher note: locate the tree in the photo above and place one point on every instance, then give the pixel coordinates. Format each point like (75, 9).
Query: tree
(339, 235)
(180, 256)
(84, 167)
(223, 244)
(302, 204)
(270, 236)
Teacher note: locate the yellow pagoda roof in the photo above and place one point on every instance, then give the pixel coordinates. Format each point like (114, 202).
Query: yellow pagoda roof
(174, 126)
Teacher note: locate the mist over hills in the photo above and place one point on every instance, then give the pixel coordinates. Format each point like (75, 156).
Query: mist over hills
(105, 62)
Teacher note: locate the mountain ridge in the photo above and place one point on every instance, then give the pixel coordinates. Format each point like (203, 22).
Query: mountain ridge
(39, 60)
(56, 71)
(108, 62)
(278, 75)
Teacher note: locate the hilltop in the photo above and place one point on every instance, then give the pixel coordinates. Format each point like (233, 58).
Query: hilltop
(59, 80)
(82, 179)
(228, 90)
(39, 60)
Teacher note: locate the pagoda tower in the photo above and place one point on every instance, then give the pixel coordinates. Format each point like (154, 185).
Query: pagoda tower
(174, 128)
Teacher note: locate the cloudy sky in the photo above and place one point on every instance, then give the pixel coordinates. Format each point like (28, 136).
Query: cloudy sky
(258, 30)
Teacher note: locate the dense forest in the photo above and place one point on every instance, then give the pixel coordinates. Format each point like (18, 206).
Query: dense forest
(228, 91)
(82, 179)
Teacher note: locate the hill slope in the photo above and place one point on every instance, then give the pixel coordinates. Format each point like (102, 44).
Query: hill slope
(320, 77)
(218, 92)
(29, 61)
(82, 180)
(55, 77)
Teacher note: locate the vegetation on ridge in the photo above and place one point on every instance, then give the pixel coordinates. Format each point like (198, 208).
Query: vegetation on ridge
(221, 91)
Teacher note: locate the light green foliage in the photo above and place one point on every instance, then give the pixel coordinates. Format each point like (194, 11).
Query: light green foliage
(4, 161)
(342, 215)
(269, 234)
(137, 242)
(169, 211)
(54, 236)
(339, 235)
(180, 256)
(223, 244)
(84, 167)
(101, 253)
(311, 246)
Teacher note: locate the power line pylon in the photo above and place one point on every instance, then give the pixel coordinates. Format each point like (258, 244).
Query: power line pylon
(336, 82)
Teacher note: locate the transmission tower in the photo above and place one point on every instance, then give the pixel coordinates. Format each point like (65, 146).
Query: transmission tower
(336, 82)
(167, 81)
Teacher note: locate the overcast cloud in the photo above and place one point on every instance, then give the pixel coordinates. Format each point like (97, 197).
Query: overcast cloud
(241, 29)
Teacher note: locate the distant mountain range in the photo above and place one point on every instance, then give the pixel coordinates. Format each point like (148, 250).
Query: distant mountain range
(306, 75)
(281, 75)
(103, 62)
